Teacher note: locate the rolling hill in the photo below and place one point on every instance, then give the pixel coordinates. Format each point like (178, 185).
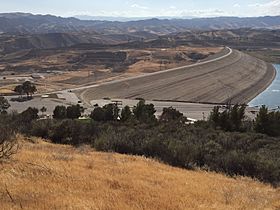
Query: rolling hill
(244, 37)
(22, 31)
(43, 175)
(48, 41)
(29, 23)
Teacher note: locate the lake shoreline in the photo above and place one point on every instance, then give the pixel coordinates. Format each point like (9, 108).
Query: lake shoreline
(270, 97)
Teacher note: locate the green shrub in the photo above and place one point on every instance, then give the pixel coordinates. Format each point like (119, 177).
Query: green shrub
(178, 144)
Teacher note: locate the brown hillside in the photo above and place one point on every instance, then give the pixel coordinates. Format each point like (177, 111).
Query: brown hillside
(47, 176)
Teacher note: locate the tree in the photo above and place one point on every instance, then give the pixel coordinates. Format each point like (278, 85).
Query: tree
(4, 105)
(237, 114)
(215, 116)
(230, 119)
(29, 88)
(171, 114)
(138, 109)
(98, 114)
(74, 111)
(268, 122)
(144, 112)
(224, 121)
(274, 124)
(60, 112)
(262, 120)
(19, 89)
(126, 114)
(111, 112)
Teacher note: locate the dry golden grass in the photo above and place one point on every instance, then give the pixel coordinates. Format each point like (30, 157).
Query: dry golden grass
(6, 90)
(47, 176)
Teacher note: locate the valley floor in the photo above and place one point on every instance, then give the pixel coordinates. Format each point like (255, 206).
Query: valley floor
(47, 176)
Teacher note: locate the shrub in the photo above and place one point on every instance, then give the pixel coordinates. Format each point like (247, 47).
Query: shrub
(189, 146)
(4, 105)
(8, 144)
(29, 115)
(42, 128)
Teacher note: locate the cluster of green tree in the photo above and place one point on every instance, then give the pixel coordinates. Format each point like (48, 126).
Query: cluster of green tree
(233, 119)
(70, 112)
(27, 88)
(223, 144)
(144, 113)
(268, 122)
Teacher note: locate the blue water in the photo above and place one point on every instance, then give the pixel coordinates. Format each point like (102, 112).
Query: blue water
(271, 96)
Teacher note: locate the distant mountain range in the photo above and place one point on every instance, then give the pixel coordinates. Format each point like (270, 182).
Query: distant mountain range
(29, 23)
(126, 19)
(236, 38)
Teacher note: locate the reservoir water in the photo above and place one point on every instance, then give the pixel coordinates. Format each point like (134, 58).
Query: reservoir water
(271, 96)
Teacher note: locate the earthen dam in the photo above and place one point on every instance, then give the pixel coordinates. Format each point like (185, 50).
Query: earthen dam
(227, 76)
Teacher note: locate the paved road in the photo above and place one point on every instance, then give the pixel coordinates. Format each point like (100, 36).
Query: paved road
(233, 76)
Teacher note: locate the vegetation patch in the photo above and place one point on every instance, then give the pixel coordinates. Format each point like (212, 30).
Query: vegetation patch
(225, 143)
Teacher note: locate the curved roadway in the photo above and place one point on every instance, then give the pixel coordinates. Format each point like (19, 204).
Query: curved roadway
(234, 76)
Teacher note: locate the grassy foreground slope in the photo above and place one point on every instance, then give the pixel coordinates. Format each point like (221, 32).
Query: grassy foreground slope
(47, 176)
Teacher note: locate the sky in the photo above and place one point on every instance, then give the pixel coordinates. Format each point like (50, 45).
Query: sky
(144, 8)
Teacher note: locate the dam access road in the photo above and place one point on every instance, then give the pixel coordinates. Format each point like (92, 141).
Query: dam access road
(228, 76)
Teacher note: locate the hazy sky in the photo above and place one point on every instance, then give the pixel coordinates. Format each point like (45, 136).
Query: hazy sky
(144, 8)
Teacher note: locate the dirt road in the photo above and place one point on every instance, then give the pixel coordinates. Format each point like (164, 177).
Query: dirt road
(232, 76)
